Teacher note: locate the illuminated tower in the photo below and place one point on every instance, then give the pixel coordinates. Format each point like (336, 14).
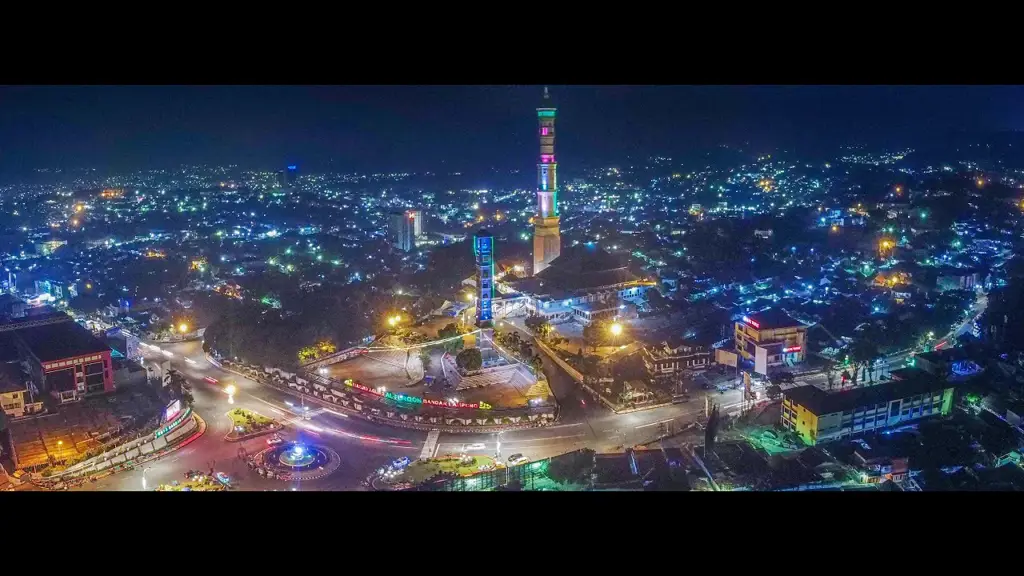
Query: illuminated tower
(547, 241)
(483, 249)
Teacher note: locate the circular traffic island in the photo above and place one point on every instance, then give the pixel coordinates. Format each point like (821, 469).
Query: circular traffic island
(297, 461)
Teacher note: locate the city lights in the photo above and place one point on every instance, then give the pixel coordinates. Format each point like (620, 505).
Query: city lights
(714, 300)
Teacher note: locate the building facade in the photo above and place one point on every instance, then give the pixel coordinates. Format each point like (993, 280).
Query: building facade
(65, 360)
(670, 359)
(772, 338)
(547, 239)
(402, 230)
(820, 416)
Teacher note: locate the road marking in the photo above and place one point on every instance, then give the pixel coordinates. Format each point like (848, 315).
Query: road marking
(564, 425)
(459, 445)
(430, 446)
(654, 423)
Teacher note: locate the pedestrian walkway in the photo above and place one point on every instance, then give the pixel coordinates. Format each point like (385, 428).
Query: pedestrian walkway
(430, 444)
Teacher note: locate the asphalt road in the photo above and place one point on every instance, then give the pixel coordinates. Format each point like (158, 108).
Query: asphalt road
(365, 446)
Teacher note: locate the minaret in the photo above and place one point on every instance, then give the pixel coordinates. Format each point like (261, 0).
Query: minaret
(547, 241)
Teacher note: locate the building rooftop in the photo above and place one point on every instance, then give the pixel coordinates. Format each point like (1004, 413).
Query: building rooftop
(582, 267)
(62, 340)
(773, 318)
(821, 402)
(12, 379)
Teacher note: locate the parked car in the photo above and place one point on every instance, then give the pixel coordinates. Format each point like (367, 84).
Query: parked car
(517, 459)
(274, 440)
(474, 446)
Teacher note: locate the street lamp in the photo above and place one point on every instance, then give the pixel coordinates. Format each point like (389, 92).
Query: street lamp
(144, 470)
(615, 329)
(183, 327)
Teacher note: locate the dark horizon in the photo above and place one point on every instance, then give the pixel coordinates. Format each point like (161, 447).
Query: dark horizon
(417, 128)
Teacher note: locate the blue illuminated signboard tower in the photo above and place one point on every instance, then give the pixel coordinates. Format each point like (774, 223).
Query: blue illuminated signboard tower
(483, 249)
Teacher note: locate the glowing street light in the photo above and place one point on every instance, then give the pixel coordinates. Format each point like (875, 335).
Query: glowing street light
(615, 329)
(183, 327)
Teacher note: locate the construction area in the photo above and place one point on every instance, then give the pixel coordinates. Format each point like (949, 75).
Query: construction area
(76, 431)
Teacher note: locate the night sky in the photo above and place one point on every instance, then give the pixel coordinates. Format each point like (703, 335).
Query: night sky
(393, 128)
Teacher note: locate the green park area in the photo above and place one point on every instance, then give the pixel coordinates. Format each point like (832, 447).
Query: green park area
(420, 471)
(246, 421)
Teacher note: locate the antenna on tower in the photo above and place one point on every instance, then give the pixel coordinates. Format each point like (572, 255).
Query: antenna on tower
(546, 93)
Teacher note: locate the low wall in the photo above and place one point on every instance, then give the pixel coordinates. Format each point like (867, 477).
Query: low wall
(574, 374)
(130, 450)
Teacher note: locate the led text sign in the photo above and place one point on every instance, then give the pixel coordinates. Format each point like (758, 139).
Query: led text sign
(398, 397)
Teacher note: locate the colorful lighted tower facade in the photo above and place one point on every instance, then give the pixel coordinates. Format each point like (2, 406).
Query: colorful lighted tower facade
(547, 240)
(483, 249)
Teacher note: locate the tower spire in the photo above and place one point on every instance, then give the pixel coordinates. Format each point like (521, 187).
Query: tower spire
(547, 240)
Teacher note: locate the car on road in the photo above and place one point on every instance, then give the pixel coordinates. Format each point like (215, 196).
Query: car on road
(210, 380)
(400, 463)
(223, 478)
(474, 446)
(517, 459)
(428, 380)
(274, 440)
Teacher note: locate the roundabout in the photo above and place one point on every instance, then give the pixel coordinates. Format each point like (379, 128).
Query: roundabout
(297, 461)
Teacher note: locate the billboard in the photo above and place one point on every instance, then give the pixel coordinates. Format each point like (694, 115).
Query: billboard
(173, 409)
(725, 357)
(761, 361)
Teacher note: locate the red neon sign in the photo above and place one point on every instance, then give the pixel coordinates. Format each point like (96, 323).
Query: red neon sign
(751, 322)
(792, 349)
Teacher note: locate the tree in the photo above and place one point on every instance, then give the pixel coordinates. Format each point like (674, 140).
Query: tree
(308, 353)
(774, 391)
(830, 372)
(469, 359)
(592, 335)
(536, 362)
(655, 299)
(450, 331)
(863, 352)
(539, 325)
(425, 359)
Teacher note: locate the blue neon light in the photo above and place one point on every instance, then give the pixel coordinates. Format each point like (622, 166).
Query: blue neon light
(293, 167)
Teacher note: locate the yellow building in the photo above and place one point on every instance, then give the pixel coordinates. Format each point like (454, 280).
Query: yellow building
(817, 415)
(772, 335)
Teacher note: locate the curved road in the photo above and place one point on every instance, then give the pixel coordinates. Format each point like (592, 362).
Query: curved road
(365, 446)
